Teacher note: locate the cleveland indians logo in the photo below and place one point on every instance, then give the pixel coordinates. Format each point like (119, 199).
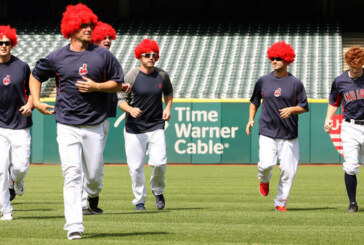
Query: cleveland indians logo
(335, 133)
(277, 93)
(6, 80)
(82, 70)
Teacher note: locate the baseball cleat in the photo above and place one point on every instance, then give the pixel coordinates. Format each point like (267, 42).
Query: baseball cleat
(281, 209)
(92, 203)
(159, 201)
(87, 211)
(6, 217)
(74, 235)
(353, 207)
(140, 207)
(19, 188)
(264, 189)
(12, 194)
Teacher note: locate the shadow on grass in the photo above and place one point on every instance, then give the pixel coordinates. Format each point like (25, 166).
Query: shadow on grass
(32, 210)
(310, 209)
(103, 235)
(154, 212)
(41, 217)
(40, 202)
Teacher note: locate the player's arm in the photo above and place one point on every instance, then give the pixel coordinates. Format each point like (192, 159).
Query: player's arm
(288, 111)
(88, 86)
(252, 111)
(26, 110)
(35, 87)
(331, 111)
(168, 100)
(133, 111)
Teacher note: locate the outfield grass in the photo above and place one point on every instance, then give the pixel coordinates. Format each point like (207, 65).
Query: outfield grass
(204, 205)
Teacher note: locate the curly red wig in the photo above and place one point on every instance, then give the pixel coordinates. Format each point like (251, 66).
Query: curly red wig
(282, 50)
(74, 17)
(10, 33)
(101, 31)
(355, 57)
(145, 46)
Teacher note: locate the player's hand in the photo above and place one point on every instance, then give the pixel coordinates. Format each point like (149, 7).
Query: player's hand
(26, 110)
(328, 126)
(135, 112)
(285, 112)
(87, 86)
(166, 115)
(248, 126)
(44, 108)
(126, 87)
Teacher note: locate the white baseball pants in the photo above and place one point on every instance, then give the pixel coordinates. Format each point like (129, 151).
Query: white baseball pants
(81, 150)
(14, 148)
(352, 136)
(136, 146)
(105, 126)
(287, 151)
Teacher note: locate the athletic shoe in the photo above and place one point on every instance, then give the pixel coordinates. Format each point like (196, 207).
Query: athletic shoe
(87, 211)
(6, 217)
(92, 203)
(12, 193)
(353, 207)
(19, 188)
(140, 207)
(281, 209)
(264, 189)
(74, 235)
(159, 201)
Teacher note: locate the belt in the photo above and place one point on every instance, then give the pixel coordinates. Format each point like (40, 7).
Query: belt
(359, 122)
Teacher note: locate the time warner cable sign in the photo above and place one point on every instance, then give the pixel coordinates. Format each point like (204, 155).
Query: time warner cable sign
(206, 133)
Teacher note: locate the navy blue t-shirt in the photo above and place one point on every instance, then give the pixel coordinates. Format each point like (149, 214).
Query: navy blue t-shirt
(14, 92)
(146, 94)
(112, 100)
(350, 92)
(73, 107)
(278, 93)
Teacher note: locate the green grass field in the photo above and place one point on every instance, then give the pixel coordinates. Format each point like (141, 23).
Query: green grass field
(204, 205)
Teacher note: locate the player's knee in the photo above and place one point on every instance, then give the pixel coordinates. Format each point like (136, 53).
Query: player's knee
(351, 169)
(20, 170)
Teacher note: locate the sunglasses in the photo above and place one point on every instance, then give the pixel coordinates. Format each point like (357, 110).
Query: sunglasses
(150, 55)
(7, 43)
(276, 58)
(85, 25)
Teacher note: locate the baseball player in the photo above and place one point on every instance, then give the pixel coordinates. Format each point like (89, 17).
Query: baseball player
(83, 72)
(15, 119)
(144, 122)
(348, 89)
(102, 35)
(284, 97)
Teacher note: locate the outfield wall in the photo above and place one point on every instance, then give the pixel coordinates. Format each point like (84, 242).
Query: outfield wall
(201, 132)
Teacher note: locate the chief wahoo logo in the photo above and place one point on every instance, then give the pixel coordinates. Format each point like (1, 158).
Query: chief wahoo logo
(6, 80)
(82, 70)
(277, 93)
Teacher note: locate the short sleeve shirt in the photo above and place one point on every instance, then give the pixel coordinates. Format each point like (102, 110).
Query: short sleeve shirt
(278, 93)
(73, 107)
(146, 94)
(349, 92)
(14, 92)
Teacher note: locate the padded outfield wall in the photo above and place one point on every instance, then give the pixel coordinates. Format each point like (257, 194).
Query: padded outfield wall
(201, 132)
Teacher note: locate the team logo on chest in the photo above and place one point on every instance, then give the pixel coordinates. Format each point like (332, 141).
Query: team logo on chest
(82, 70)
(6, 80)
(277, 92)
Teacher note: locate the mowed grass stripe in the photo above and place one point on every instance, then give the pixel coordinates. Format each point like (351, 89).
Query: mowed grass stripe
(204, 205)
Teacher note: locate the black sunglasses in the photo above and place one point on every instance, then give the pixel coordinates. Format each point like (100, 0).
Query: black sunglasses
(276, 58)
(7, 43)
(85, 25)
(150, 55)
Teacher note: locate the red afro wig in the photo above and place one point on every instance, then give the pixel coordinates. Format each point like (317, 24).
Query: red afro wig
(10, 33)
(74, 17)
(282, 50)
(145, 46)
(355, 57)
(101, 31)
